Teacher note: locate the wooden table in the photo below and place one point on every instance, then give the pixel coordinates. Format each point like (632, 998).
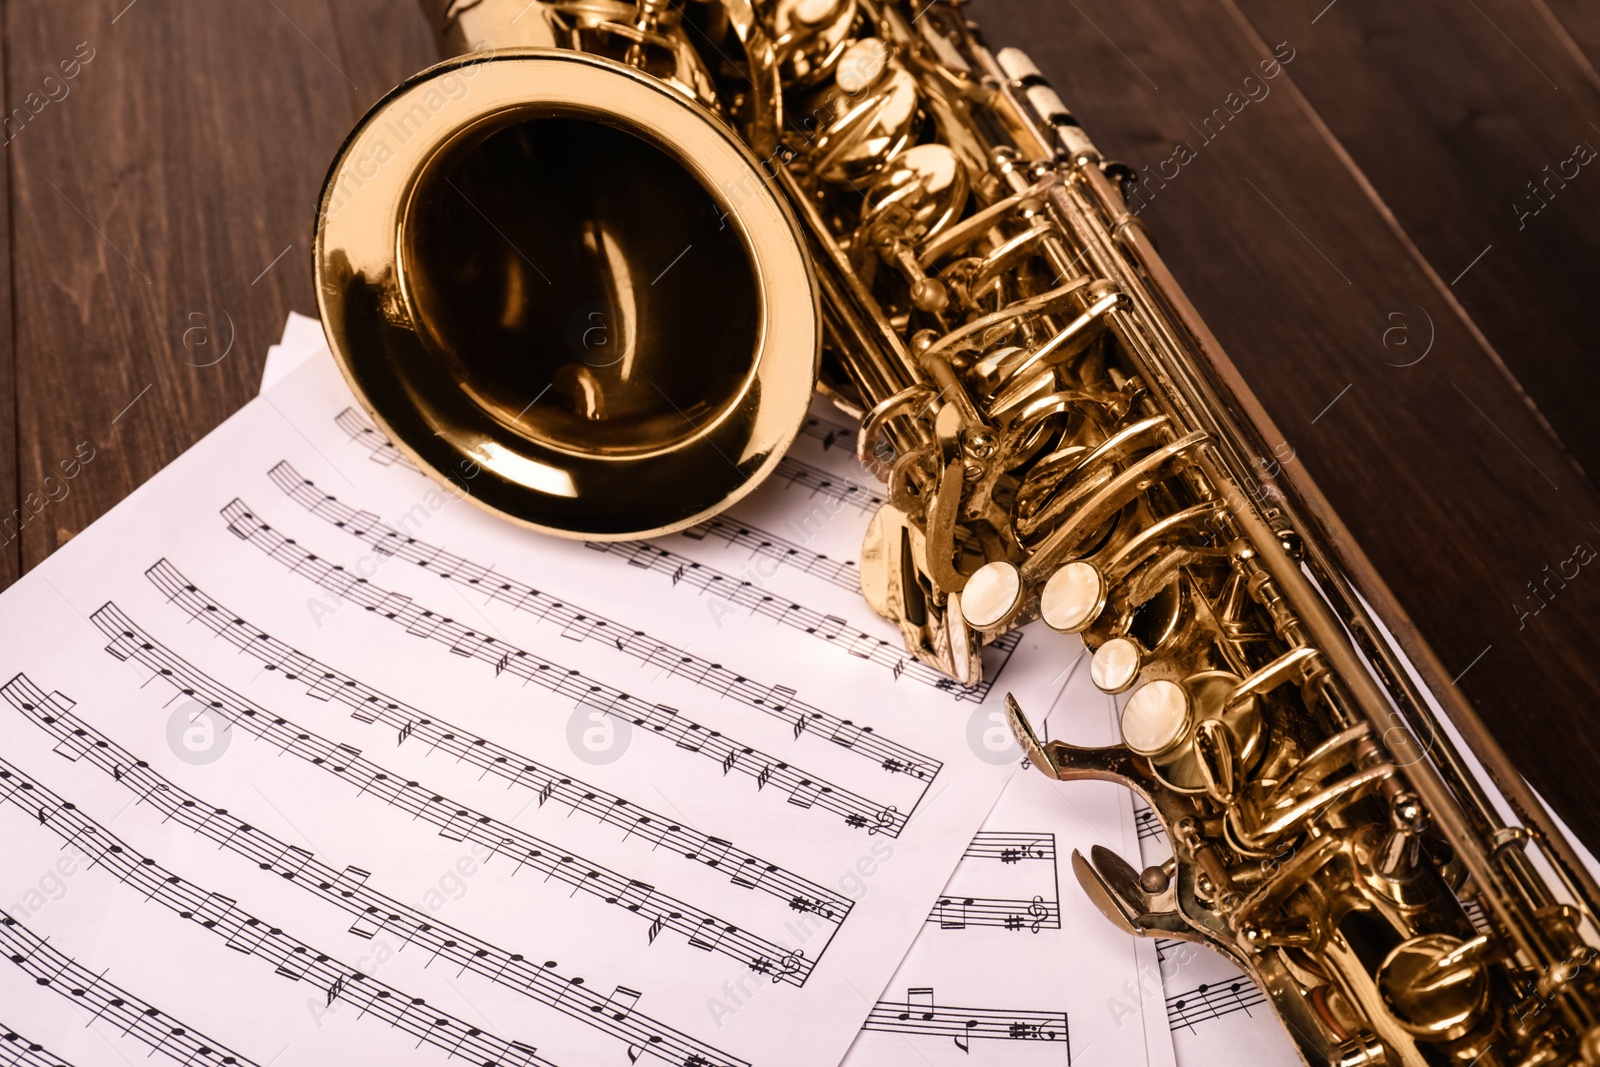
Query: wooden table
(1395, 237)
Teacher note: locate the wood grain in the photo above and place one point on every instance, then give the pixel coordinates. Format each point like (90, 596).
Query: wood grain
(1576, 25)
(11, 515)
(1451, 484)
(381, 42)
(161, 216)
(148, 210)
(1470, 142)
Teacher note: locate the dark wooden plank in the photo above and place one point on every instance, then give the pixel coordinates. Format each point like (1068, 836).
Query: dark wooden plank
(161, 225)
(12, 513)
(1576, 26)
(1471, 123)
(1449, 482)
(381, 43)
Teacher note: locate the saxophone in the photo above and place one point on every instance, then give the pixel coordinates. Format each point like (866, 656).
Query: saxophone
(871, 202)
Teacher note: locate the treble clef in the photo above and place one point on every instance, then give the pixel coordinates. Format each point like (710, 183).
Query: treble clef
(790, 964)
(1039, 912)
(886, 822)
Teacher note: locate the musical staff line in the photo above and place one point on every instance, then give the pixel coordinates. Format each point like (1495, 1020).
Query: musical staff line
(819, 482)
(244, 933)
(136, 1018)
(1033, 915)
(18, 1051)
(844, 574)
(1148, 824)
(580, 624)
(345, 888)
(800, 789)
(919, 1016)
(373, 708)
(1011, 847)
(745, 594)
(828, 432)
(380, 449)
(830, 629)
(1211, 1001)
(455, 821)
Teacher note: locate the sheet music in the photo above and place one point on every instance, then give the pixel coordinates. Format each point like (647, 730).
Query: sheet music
(307, 762)
(1025, 966)
(1015, 965)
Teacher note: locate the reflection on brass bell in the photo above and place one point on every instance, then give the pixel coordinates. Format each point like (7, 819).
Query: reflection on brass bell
(570, 290)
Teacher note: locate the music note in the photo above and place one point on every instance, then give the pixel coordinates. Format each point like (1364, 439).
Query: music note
(350, 879)
(690, 736)
(619, 1005)
(743, 877)
(424, 625)
(701, 938)
(919, 1003)
(214, 910)
(635, 895)
(457, 826)
(804, 795)
(247, 937)
(291, 861)
(579, 629)
(712, 852)
(71, 746)
(293, 960)
(846, 734)
(323, 688)
(368, 924)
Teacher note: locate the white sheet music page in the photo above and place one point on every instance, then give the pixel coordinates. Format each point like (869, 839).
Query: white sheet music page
(1014, 965)
(307, 762)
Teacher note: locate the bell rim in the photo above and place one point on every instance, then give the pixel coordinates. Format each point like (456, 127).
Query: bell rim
(755, 429)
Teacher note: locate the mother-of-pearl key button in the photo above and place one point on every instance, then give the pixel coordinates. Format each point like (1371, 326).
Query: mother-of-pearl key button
(1115, 665)
(1072, 597)
(1155, 717)
(991, 593)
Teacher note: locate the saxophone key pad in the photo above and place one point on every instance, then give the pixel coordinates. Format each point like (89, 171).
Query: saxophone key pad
(1115, 665)
(1072, 597)
(1156, 717)
(991, 594)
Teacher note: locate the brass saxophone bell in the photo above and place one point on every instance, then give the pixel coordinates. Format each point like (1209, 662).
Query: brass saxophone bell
(566, 288)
